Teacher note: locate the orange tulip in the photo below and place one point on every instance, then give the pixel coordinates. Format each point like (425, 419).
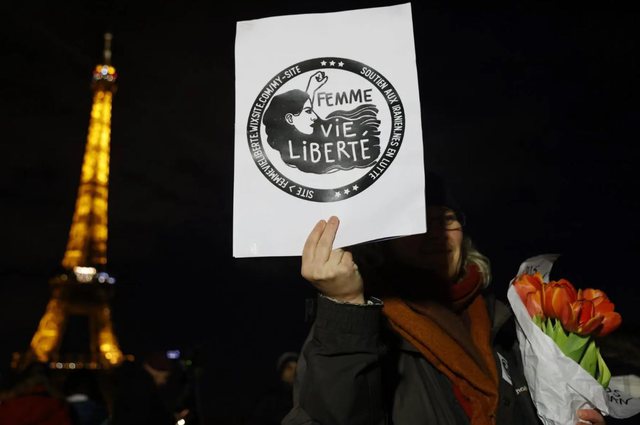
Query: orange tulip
(529, 288)
(534, 304)
(610, 323)
(557, 298)
(591, 293)
(598, 298)
(583, 319)
(602, 307)
(528, 283)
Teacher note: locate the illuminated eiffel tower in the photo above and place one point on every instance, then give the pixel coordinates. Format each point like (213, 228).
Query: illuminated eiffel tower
(76, 330)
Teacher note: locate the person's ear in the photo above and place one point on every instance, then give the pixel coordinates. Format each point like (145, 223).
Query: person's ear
(289, 118)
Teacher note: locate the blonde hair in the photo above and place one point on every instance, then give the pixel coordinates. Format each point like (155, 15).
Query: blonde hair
(472, 256)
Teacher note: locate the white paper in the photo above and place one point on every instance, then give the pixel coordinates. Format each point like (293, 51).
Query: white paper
(364, 165)
(559, 386)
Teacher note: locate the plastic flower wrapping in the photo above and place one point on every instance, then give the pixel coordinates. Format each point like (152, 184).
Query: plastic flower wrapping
(558, 327)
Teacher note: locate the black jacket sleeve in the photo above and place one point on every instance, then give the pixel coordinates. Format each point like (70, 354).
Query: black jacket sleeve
(339, 371)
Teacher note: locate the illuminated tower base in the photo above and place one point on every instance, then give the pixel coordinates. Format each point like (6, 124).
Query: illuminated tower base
(76, 331)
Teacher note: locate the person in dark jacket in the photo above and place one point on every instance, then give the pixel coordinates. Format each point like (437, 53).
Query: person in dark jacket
(277, 400)
(147, 392)
(436, 348)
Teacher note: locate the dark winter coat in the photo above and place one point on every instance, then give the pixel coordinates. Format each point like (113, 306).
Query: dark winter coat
(354, 370)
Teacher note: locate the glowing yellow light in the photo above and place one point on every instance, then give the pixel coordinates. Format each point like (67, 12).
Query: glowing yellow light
(89, 232)
(46, 336)
(107, 340)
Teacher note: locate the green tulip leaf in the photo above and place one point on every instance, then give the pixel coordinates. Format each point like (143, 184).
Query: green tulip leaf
(560, 336)
(589, 360)
(537, 319)
(604, 375)
(575, 346)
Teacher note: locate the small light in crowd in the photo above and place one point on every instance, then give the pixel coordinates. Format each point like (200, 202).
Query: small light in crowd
(173, 354)
(72, 365)
(181, 422)
(58, 365)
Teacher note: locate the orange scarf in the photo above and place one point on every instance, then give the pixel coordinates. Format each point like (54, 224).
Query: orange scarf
(458, 345)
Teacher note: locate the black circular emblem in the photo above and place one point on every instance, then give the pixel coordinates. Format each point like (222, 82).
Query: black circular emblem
(325, 129)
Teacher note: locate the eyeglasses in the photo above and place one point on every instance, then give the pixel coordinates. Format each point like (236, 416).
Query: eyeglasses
(448, 221)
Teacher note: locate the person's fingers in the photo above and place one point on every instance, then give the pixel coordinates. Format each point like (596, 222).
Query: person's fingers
(347, 260)
(309, 250)
(325, 244)
(336, 256)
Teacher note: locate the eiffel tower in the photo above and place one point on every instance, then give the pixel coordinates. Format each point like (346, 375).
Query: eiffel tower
(76, 330)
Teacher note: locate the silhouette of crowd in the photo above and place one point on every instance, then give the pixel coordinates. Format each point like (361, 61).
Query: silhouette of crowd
(155, 390)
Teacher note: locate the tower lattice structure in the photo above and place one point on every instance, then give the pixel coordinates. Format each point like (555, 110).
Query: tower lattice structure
(80, 295)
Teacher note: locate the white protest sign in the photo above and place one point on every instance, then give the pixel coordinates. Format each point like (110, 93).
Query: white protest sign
(327, 122)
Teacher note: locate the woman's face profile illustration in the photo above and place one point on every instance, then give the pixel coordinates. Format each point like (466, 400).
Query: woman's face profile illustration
(303, 120)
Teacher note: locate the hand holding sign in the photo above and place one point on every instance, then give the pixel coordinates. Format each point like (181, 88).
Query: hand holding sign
(331, 271)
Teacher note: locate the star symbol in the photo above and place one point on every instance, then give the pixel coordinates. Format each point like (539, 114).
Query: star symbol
(355, 187)
(340, 64)
(323, 63)
(346, 191)
(337, 194)
(332, 63)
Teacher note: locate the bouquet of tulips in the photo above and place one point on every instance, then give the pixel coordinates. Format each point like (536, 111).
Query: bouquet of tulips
(572, 319)
(557, 329)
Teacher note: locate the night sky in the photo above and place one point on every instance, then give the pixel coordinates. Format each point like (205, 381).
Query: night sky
(529, 109)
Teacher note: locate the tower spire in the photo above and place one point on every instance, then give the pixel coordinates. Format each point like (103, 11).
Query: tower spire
(107, 48)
